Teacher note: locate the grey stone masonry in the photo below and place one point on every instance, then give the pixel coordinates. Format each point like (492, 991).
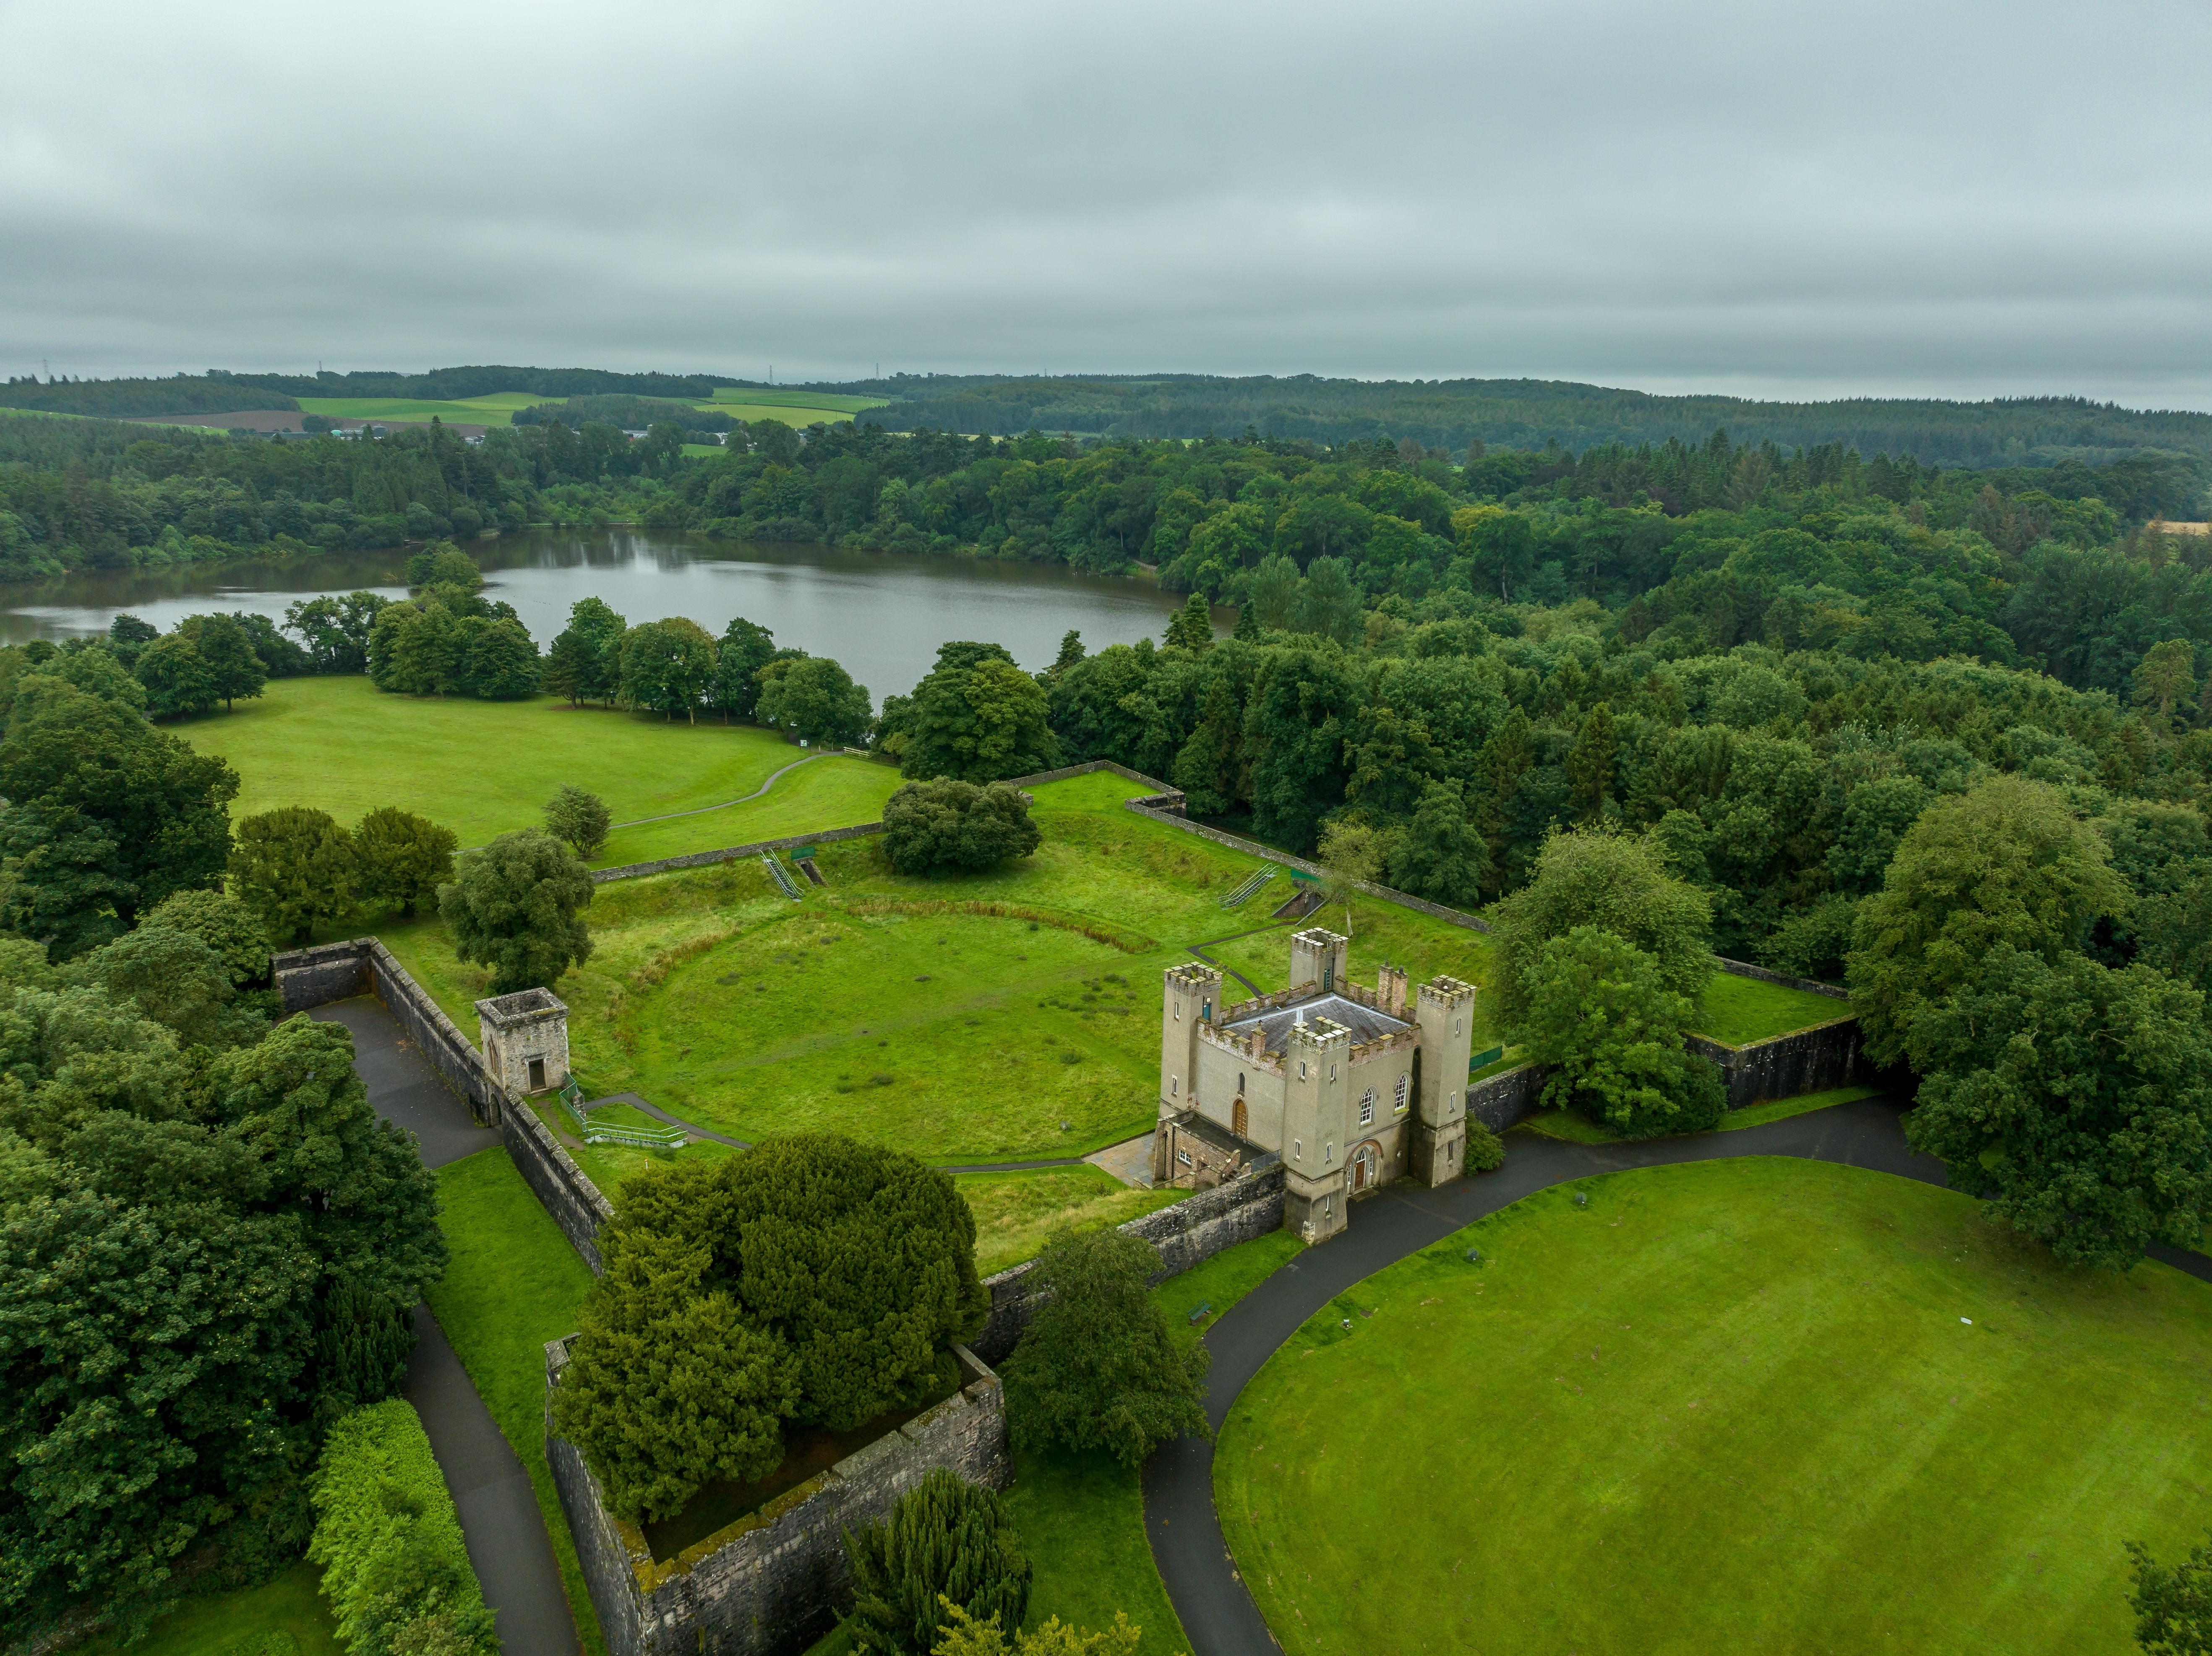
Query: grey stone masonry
(313, 977)
(526, 1042)
(771, 1582)
(1185, 1233)
(1803, 1061)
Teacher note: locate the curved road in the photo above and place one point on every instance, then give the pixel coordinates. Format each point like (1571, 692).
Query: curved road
(501, 1523)
(1202, 1579)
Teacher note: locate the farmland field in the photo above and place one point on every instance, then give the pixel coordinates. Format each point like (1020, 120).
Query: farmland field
(495, 409)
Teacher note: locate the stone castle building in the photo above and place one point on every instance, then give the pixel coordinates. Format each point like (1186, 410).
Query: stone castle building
(1351, 1087)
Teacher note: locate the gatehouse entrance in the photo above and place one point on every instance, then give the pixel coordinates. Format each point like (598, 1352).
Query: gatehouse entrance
(1363, 1168)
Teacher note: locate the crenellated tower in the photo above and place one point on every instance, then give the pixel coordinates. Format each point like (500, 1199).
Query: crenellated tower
(1317, 1127)
(1444, 1013)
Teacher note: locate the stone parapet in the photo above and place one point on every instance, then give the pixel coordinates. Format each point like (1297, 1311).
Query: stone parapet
(771, 1582)
(1803, 1061)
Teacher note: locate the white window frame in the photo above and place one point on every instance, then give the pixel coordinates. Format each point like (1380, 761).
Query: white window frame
(1405, 1084)
(1367, 1108)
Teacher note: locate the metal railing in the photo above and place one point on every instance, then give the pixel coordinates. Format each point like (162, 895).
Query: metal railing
(1243, 893)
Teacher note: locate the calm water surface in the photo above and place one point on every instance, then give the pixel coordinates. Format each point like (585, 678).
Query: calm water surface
(882, 615)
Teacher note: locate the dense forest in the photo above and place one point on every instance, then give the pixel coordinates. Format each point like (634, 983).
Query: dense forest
(1522, 414)
(1530, 414)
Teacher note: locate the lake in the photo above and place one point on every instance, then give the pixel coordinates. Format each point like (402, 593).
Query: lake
(882, 614)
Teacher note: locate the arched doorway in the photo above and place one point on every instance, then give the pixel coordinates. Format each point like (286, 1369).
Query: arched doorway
(1240, 1120)
(1366, 1163)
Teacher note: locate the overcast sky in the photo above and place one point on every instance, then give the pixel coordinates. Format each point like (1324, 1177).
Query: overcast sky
(1776, 200)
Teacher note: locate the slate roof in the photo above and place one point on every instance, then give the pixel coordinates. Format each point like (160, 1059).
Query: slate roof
(1364, 1022)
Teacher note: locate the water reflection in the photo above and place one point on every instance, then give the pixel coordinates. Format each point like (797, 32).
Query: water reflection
(882, 614)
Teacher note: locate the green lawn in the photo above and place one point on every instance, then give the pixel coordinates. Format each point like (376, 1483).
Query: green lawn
(1730, 1405)
(514, 1283)
(285, 1616)
(1736, 1011)
(822, 402)
(483, 767)
(1016, 1213)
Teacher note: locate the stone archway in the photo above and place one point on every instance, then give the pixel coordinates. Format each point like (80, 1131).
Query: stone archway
(1365, 1170)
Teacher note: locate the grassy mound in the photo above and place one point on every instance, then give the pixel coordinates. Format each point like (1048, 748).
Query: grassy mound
(1726, 1406)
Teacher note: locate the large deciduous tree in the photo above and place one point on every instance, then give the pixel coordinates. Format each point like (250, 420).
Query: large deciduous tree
(2073, 1100)
(295, 867)
(949, 827)
(746, 647)
(667, 667)
(977, 716)
(2006, 862)
(105, 815)
(1609, 1032)
(1607, 880)
(814, 699)
(516, 907)
(173, 1226)
(400, 859)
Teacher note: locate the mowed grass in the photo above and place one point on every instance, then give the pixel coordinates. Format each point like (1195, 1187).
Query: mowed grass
(286, 1616)
(513, 1283)
(483, 767)
(1739, 1011)
(1726, 1406)
(1016, 1213)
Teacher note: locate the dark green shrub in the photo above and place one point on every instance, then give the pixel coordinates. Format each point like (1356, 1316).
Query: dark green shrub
(1600, 1017)
(362, 1345)
(1098, 1368)
(1485, 1150)
(293, 867)
(813, 1279)
(514, 909)
(947, 1540)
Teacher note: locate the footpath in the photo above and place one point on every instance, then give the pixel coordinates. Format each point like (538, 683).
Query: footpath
(500, 1520)
(1194, 1562)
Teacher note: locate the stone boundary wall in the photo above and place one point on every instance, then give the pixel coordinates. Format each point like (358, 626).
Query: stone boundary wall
(730, 854)
(1184, 1233)
(562, 1188)
(1803, 1061)
(770, 1583)
(1509, 1097)
(315, 977)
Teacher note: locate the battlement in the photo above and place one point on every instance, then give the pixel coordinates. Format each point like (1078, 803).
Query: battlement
(1193, 975)
(1446, 993)
(1363, 1050)
(1321, 1034)
(1250, 1047)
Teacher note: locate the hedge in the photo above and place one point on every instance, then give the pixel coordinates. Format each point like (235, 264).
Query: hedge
(394, 1567)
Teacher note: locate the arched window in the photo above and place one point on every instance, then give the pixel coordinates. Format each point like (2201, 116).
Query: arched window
(1367, 1108)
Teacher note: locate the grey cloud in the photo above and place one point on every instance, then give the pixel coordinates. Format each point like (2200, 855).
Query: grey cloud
(1966, 200)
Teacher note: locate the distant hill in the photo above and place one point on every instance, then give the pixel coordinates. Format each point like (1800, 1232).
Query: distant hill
(1532, 414)
(119, 400)
(1515, 414)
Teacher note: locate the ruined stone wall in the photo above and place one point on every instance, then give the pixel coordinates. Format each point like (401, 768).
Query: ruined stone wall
(770, 1583)
(1188, 1232)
